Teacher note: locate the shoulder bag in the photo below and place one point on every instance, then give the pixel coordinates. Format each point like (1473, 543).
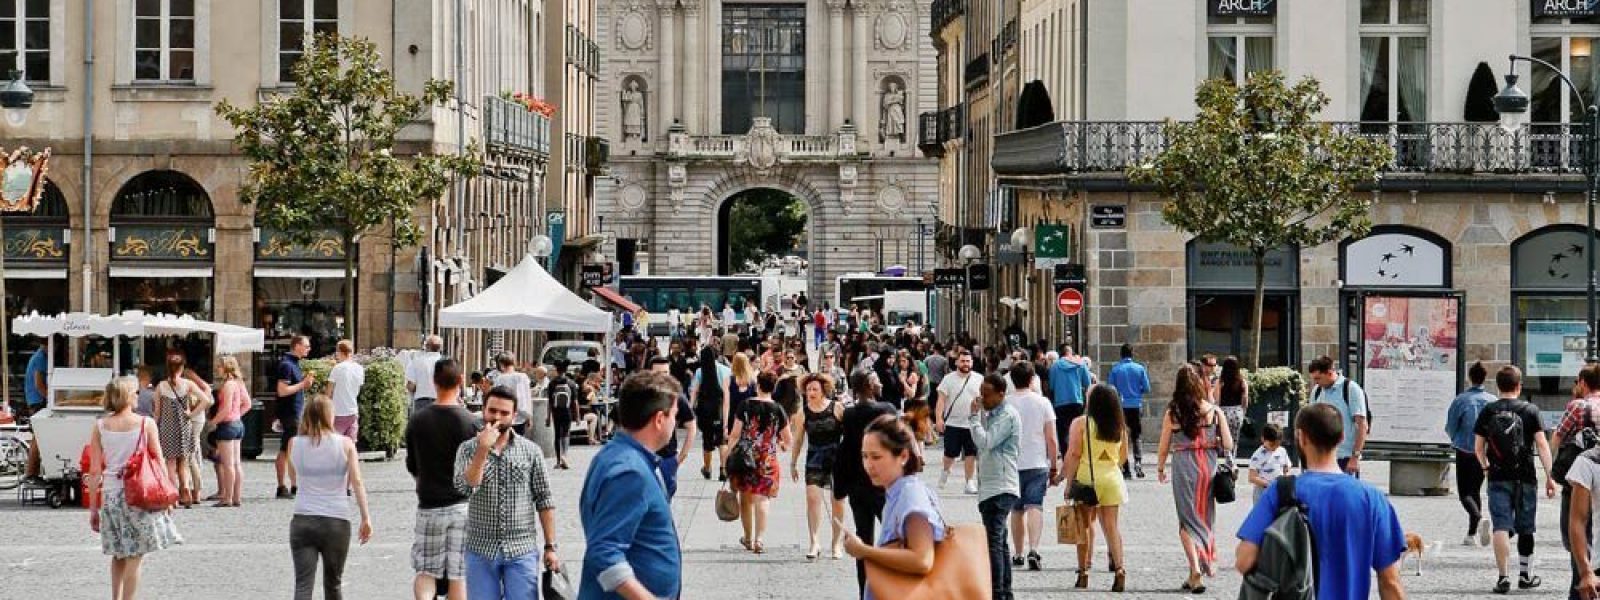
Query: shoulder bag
(1222, 482)
(1084, 494)
(145, 484)
(1586, 437)
(960, 569)
(959, 395)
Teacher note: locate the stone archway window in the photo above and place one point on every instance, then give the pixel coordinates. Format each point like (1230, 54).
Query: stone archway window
(52, 206)
(1393, 256)
(161, 195)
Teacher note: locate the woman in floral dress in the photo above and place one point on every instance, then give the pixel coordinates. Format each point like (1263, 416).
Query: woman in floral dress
(127, 534)
(764, 423)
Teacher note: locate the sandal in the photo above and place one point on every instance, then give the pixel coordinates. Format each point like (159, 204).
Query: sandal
(812, 555)
(746, 543)
(1194, 585)
(1083, 580)
(759, 548)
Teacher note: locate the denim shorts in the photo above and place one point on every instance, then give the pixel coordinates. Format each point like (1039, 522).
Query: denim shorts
(1512, 509)
(228, 431)
(1034, 482)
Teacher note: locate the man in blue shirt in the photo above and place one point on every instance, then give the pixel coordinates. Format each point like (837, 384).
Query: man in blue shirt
(633, 548)
(1351, 402)
(289, 388)
(35, 388)
(1353, 526)
(1458, 424)
(1069, 380)
(1132, 382)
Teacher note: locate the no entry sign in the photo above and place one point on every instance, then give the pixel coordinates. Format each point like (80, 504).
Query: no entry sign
(1069, 302)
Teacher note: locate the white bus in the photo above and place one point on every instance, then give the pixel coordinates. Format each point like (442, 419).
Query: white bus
(866, 289)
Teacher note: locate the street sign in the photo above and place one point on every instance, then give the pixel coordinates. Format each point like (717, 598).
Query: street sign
(1069, 302)
(1108, 216)
(979, 277)
(594, 276)
(1069, 276)
(949, 278)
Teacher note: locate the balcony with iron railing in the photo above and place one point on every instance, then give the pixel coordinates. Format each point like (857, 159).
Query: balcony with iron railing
(945, 12)
(789, 148)
(928, 134)
(1551, 154)
(977, 71)
(510, 128)
(1004, 43)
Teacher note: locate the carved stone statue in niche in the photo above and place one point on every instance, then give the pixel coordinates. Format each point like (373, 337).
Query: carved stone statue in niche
(634, 126)
(892, 113)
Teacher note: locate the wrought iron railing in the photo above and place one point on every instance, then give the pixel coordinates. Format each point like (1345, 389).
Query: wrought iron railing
(510, 128)
(928, 134)
(944, 12)
(953, 123)
(1005, 42)
(1069, 147)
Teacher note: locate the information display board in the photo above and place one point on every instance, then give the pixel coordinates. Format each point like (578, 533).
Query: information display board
(1411, 353)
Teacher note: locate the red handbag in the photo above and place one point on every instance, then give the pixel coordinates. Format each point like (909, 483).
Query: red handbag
(145, 484)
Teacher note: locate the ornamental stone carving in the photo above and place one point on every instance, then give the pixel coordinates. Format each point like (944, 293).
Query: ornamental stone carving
(892, 111)
(894, 30)
(632, 197)
(633, 29)
(892, 199)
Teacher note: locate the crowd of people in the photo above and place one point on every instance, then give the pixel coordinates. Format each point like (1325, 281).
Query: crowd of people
(858, 424)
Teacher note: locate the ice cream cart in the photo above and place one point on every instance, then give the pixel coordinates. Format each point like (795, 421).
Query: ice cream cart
(61, 431)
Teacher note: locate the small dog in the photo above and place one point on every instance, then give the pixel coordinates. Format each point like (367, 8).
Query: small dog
(1415, 546)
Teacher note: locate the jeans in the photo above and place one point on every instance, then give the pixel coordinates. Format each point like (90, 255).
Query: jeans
(1566, 507)
(1130, 416)
(669, 474)
(995, 511)
(1469, 487)
(1345, 461)
(866, 507)
(562, 421)
(514, 577)
(311, 538)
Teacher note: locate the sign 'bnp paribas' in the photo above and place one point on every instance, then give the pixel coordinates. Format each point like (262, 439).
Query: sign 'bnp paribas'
(1565, 8)
(1243, 8)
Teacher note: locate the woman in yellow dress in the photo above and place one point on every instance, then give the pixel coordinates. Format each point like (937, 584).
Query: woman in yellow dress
(1101, 436)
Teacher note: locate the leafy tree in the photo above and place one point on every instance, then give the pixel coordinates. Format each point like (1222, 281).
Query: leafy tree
(763, 223)
(322, 155)
(1256, 170)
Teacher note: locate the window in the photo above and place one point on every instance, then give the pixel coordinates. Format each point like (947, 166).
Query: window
(1394, 60)
(298, 22)
(163, 40)
(25, 36)
(1238, 46)
(1547, 313)
(763, 66)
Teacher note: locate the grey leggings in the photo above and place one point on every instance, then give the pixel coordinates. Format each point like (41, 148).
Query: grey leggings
(311, 537)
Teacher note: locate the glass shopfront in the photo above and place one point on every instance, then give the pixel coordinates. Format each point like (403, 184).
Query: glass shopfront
(299, 290)
(1222, 286)
(161, 262)
(1548, 304)
(35, 246)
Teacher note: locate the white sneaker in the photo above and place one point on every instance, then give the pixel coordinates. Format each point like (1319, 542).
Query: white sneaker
(944, 478)
(1485, 532)
(1470, 540)
(972, 487)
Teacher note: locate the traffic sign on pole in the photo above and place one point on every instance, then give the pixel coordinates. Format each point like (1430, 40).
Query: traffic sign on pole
(1070, 302)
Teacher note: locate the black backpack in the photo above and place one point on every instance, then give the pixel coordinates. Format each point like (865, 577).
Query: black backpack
(1586, 438)
(562, 395)
(1508, 443)
(1286, 566)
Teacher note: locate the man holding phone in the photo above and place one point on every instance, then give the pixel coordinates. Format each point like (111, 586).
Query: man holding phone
(503, 473)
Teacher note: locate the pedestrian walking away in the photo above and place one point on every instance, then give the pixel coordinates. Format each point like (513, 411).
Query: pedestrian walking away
(1099, 445)
(1351, 401)
(1459, 422)
(419, 373)
(330, 474)
(506, 483)
(433, 436)
(1037, 460)
(1132, 382)
(1355, 531)
(996, 429)
(765, 426)
(708, 392)
(1069, 382)
(1233, 394)
(632, 544)
(851, 481)
(1194, 434)
(127, 533)
(1510, 434)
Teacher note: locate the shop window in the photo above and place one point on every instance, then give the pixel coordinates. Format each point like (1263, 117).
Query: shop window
(286, 307)
(1221, 300)
(1548, 307)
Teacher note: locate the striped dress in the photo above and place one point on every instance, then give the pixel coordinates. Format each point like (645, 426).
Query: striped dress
(1194, 461)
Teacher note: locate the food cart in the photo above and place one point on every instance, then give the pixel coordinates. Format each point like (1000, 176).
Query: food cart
(61, 430)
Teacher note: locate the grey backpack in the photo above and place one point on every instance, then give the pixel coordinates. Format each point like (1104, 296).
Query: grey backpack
(1286, 565)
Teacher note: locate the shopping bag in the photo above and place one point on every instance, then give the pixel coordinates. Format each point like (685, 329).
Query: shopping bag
(727, 505)
(145, 484)
(960, 570)
(1069, 525)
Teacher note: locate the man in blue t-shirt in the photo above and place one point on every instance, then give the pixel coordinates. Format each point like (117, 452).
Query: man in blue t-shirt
(1348, 398)
(1132, 382)
(1353, 526)
(35, 387)
(1069, 381)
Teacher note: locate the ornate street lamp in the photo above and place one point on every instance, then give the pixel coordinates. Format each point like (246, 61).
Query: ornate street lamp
(1512, 104)
(19, 189)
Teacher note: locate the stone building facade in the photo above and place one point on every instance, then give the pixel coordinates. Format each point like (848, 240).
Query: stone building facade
(1482, 226)
(704, 99)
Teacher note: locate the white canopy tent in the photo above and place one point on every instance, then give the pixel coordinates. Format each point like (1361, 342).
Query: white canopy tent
(527, 298)
(230, 339)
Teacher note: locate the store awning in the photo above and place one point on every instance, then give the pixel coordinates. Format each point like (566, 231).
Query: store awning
(299, 272)
(155, 272)
(16, 273)
(584, 242)
(616, 299)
